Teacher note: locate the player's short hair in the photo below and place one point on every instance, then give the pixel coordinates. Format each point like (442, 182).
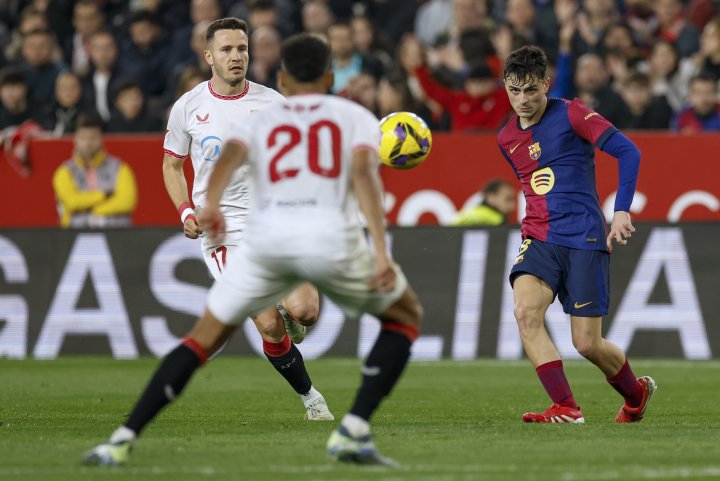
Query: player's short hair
(306, 57)
(89, 120)
(229, 23)
(526, 64)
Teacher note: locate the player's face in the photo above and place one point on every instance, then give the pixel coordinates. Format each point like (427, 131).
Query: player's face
(528, 99)
(228, 56)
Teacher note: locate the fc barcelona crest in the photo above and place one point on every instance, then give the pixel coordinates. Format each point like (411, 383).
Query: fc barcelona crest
(535, 151)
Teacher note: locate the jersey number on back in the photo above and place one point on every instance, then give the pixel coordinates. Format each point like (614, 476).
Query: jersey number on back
(277, 173)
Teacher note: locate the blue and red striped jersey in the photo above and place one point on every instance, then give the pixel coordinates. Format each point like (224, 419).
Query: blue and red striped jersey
(554, 160)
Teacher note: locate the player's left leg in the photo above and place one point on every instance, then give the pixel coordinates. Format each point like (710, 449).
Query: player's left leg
(586, 300)
(299, 309)
(169, 380)
(400, 313)
(284, 355)
(611, 360)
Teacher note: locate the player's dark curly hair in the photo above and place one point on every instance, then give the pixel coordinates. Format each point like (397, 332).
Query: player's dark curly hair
(229, 23)
(525, 64)
(306, 57)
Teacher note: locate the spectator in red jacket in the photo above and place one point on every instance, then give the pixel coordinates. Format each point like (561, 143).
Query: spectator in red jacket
(481, 104)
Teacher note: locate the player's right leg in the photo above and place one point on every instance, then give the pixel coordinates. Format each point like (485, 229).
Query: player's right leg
(533, 296)
(352, 441)
(287, 360)
(169, 380)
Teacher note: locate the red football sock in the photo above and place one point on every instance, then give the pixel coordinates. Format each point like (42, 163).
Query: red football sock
(627, 385)
(552, 377)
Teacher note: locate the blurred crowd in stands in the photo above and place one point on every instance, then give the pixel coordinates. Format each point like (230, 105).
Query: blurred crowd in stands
(643, 64)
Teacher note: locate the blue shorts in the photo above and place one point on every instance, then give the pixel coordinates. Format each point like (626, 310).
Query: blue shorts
(580, 278)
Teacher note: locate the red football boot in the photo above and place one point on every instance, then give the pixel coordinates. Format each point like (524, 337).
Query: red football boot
(556, 414)
(629, 414)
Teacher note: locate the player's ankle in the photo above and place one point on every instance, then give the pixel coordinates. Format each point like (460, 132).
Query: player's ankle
(569, 402)
(122, 434)
(310, 396)
(355, 425)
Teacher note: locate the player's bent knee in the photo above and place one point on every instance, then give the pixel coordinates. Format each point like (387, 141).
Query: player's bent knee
(270, 325)
(586, 347)
(528, 318)
(303, 304)
(305, 313)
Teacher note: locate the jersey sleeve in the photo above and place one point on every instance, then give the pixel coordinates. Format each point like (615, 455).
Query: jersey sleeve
(366, 132)
(589, 124)
(505, 155)
(177, 138)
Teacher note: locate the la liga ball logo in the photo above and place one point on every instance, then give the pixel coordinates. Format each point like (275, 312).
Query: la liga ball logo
(406, 140)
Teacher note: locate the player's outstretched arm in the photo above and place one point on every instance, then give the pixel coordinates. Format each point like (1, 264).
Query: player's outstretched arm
(366, 184)
(233, 156)
(177, 189)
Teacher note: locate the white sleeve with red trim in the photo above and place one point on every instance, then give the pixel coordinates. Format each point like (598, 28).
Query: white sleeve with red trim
(365, 131)
(177, 138)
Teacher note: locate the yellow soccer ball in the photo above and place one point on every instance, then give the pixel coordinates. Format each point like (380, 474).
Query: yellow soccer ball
(406, 140)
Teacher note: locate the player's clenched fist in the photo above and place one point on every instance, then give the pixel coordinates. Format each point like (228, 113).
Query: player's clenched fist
(213, 222)
(191, 228)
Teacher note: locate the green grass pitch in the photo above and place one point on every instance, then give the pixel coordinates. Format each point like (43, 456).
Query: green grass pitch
(446, 421)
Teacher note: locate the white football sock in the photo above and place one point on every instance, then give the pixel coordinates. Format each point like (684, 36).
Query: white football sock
(311, 396)
(356, 426)
(123, 433)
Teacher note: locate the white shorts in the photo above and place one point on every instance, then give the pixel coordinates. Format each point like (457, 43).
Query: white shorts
(254, 281)
(217, 255)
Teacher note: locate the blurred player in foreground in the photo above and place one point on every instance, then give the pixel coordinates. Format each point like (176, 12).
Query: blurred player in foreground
(565, 250)
(313, 160)
(199, 124)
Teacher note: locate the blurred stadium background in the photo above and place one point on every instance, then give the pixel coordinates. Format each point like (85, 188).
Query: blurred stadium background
(651, 67)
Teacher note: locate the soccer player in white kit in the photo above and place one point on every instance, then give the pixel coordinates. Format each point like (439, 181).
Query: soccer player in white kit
(199, 125)
(313, 161)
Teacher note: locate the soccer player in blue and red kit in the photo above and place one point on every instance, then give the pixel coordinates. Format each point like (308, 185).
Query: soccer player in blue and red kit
(565, 252)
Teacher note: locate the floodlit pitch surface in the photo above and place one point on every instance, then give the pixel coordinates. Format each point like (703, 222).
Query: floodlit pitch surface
(446, 421)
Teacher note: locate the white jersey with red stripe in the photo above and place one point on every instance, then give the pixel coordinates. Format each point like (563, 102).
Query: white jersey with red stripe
(199, 124)
(300, 152)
